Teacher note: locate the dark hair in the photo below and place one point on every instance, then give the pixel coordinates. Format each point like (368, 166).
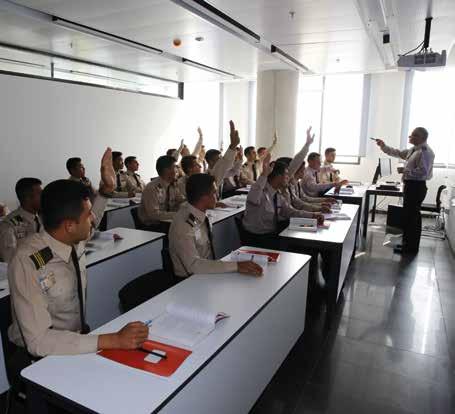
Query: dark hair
(163, 163)
(71, 163)
(197, 186)
(24, 188)
(116, 155)
(129, 160)
(285, 160)
(187, 163)
(247, 151)
(211, 154)
(260, 149)
(329, 151)
(170, 151)
(423, 132)
(278, 169)
(313, 155)
(62, 200)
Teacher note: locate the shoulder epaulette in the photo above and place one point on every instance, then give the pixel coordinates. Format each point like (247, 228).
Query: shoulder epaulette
(191, 220)
(16, 220)
(41, 257)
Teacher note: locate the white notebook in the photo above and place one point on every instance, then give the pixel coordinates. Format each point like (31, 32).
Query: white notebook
(184, 324)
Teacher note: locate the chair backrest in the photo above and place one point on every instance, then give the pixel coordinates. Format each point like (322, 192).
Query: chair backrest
(137, 222)
(144, 288)
(438, 196)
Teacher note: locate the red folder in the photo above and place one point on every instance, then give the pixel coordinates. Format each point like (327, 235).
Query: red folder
(136, 358)
(273, 257)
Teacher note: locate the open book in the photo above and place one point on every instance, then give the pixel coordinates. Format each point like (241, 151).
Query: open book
(184, 324)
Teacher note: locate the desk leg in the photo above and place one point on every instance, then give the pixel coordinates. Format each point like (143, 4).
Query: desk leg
(36, 402)
(333, 259)
(373, 213)
(366, 212)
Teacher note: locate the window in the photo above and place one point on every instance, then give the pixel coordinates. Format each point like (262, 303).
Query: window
(431, 106)
(201, 108)
(52, 67)
(336, 106)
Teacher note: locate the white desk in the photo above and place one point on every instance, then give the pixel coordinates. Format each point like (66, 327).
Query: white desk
(358, 198)
(337, 242)
(226, 372)
(5, 311)
(118, 212)
(114, 264)
(225, 235)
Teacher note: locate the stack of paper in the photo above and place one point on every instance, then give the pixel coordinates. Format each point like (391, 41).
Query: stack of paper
(239, 256)
(346, 190)
(336, 216)
(303, 224)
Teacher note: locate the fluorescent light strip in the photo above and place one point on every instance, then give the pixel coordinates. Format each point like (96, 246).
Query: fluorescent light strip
(105, 35)
(207, 68)
(288, 59)
(23, 63)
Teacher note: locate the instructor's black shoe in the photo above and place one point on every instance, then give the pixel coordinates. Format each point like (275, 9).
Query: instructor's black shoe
(398, 249)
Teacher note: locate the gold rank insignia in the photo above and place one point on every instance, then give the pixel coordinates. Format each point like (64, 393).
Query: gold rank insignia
(41, 257)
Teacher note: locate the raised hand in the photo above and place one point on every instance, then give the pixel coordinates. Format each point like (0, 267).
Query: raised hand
(380, 143)
(239, 156)
(234, 136)
(275, 139)
(107, 172)
(185, 151)
(309, 137)
(266, 168)
(199, 131)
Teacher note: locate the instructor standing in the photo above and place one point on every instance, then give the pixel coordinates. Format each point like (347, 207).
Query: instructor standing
(417, 170)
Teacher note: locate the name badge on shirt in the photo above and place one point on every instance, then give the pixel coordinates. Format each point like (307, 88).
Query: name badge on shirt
(47, 281)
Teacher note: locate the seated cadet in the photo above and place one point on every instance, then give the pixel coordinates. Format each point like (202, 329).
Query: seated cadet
(267, 212)
(190, 236)
(262, 152)
(223, 166)
(190, 165)
(232, 183)
(23, 221)
(134, 181)
(328, 173)
(161, 197)
(310, 180)
(48, 277)
(122, 188)
(297, 187)
(252, 169)
(290, 194)
(77, 172)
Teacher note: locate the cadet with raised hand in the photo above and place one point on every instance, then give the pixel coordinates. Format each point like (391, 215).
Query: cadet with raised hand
(48, 278)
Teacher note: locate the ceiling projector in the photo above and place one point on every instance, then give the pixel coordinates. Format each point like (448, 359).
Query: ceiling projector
(423, 60)
(425, 57)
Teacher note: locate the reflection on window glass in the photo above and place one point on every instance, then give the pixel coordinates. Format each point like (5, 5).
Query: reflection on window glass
(40, 65)
(432, 107)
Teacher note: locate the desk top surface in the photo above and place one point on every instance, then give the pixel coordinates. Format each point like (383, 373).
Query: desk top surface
(220, 214)
(373, 189)
(336, 233)
(359, 192)
(105, 249)
(118, 203)
(105, 386)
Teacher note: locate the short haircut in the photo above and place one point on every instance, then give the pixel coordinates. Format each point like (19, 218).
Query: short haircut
(24, 188)
(199, 185)
(163, 163)
(116, 155)
(211, 154)
(129, 160)
(71, 163)
(422, 132)
(329, 151)
(247, 151)
(187, 163)
(62, 200)
(278, 169)
(260, 149)
(285, 160)
(170, 151)
(313, 155)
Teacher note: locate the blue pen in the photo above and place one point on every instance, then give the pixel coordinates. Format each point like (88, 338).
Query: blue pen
(148, 323)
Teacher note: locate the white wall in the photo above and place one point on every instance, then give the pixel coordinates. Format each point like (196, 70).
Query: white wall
(236, 108)
(42, 123)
